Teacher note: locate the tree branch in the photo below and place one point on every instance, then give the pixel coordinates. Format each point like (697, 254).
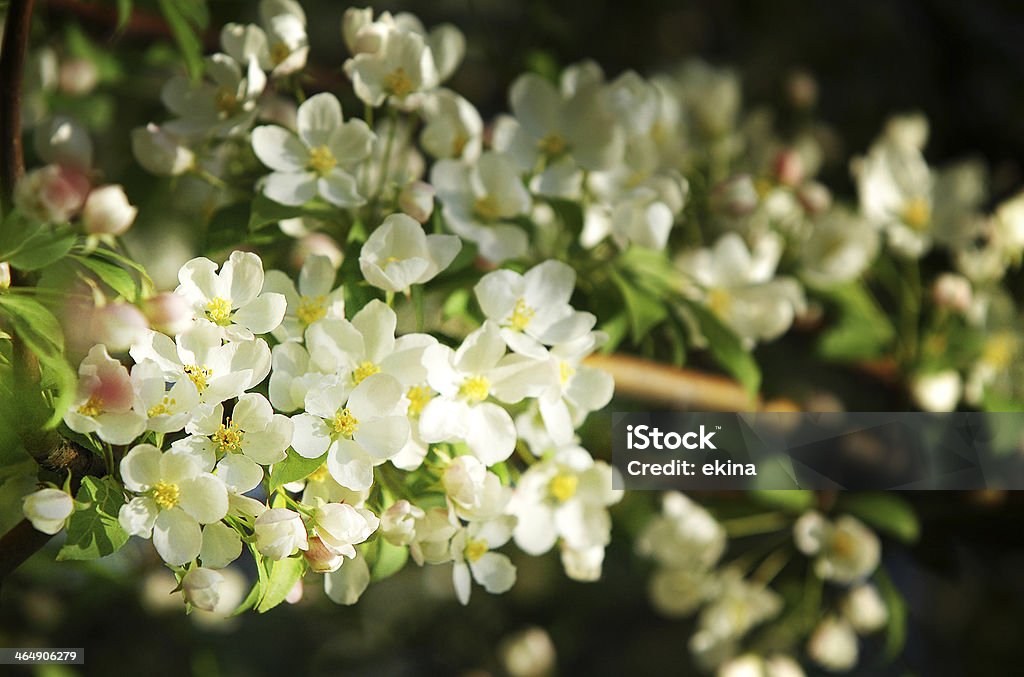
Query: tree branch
(17, 24)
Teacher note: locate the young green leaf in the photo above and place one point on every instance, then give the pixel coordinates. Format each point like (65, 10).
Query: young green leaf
(282, 577)
(293, 469)
(727, 349)
(887, 512)
(94, 531)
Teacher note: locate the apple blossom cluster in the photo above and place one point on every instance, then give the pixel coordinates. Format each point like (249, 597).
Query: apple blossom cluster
(343, 434)
(687, 545)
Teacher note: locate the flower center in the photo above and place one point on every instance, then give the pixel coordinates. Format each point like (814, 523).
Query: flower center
(459, 144)
(486, 208)
(418, 397)
(475, 389)
(311, 309)
(163, 408)
(563, 486)
(521, 316)
(94, 407)
(166, 494)
(843, 544)
(719, 301)
(398, 83)
(999, 349)
(345, 423)
(364, 371)
(219, 311)
(552, 145)
(279, 52)
(917, 213)
(228, 437)
(322, 160)
(565, 372)
(226, 101)
(198, 375)
(475, 550)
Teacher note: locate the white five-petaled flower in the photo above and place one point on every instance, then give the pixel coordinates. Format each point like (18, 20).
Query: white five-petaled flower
(175, 497)
(234, 298)
(845, 550)
(481, 202)
(280, 44)
(312, 300)
(475, 492)
(533, 308)
(399, 70)
(319, 160)
(565, 497)
(224, 105)
(166, 410)
(466, 379)
(453, 127)
(218, 370)
(359, 427)
(398, 254)
(472, 552)
(104, 402)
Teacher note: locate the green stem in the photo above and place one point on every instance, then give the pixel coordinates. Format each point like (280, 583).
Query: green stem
(751, 525)
(417, 301)
(386, 159)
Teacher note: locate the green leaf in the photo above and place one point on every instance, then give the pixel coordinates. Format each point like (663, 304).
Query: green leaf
(727, 349)
(862, 330)
(896, 628)
(616, 329)
(265, 211)
(42, 249)
(181, 16)
(94, 531)
(887, 512)
(124, 13)
(388, 561)
(794, 501)
(282, 577)
(645, 310)
(293, 469)
(114, 276)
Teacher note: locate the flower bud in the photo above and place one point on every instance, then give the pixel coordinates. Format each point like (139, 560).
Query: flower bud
(320, 558)
(52, 193)
(48, 509)
(864, 609)
(398, 523)
(340, 526)
(118, 326)
(814, 197)
(952, 291)
(735, 197)
(201, 587)
(280, 533)
(160, 152)
(316, 243)
(78, 77)
(529, 653)
(937, 392)
(5, 275)
(417, 200)
(168, 313)
(107, 211)
(788, 168)
(833, 645)
(352, 24)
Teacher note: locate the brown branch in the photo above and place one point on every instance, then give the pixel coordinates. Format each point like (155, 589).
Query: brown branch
(17, 25)
(678, 388)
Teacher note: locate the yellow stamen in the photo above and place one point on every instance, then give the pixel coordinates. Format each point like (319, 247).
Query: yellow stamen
(475, 550)
(521, 316)
(487, 208)
(917, 213)
(318, 475)
(459, 144)
(719, 301)
(999, 350)
(398, 83)
(364, 371)
(311, 309)
(228, 437)
(475, 389)
(418, 398)
(322, 160)
(226, 102)
(345, 423)
(166, 494)
(94, 407)
(279, 52)
(163, 408)
(552, 145)
(219, 311)
(563, 486)
(565, 372)
(198, 375)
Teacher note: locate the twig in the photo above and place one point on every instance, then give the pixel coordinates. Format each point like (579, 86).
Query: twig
(17, 24)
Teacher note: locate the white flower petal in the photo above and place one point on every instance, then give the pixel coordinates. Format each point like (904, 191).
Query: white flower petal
(177, 537)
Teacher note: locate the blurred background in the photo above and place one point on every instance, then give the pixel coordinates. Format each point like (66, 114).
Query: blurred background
(960, 63)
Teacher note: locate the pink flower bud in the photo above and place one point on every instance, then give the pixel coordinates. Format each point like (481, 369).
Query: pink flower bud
(736, 196)
(952, 291)
(52, 193)
(107, 211)
(417, 200)
(78, 76)
(168, 313)
(118, 326)
(320, 558)
(814, 197)
(788, 168)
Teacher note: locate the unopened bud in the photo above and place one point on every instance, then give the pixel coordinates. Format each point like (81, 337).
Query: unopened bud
(5, 275)
(160, 152)
(320, 558)
(417, 200)
(118, 326)
(952, 291)
(201, 587)
(52, 193)
(78, 77)
(168, 313)
(48, 509)
(107, 211)
(788, 168)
